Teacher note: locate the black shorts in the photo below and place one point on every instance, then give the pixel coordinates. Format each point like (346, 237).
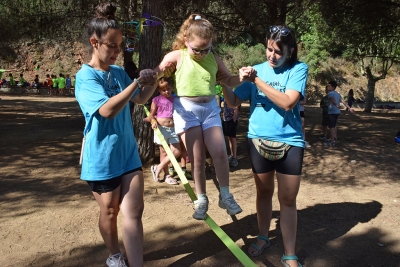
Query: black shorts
(104, 186)
(324, 119)
(290, 164)
(302, 114)
(332, 119)
(229, 128)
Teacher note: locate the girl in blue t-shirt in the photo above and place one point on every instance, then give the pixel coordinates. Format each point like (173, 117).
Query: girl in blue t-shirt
(110, 158)
(274, 97)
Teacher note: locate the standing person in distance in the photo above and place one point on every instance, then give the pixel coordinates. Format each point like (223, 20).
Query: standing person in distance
(110, 162)
(196, 112)
(334, 111)
(275, 96)
(230, 121)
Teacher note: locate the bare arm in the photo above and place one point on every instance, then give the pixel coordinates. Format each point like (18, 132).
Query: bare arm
(286, 100)
(116, 103)
(224, 76)
(152, 116)
(230, 97)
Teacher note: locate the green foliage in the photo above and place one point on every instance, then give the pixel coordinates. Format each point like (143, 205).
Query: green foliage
(236, 57)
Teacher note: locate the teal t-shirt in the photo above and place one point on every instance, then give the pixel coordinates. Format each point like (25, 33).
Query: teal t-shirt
(267, 120)
(110, 148)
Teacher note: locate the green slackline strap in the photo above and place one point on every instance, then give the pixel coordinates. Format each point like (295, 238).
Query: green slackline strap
(239, 254)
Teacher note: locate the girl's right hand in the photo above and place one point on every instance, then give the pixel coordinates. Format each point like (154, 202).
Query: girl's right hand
(168, 69)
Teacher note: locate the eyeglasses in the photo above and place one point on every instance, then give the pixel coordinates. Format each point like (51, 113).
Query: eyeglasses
(200, 51)
(283, 31)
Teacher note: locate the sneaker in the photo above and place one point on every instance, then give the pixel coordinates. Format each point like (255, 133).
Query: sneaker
(116, 261)
(234, 162)
(171, 171)
(229, 203)
(201, 208)
(230, 158)
(307, 144)
(188, 175)
(329, 143)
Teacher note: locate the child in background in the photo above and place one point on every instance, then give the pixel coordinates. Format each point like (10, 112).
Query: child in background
(230, 120)
(55, 83)
(68, 83)
(61, 83)
(50, 84)
(161, 116)
(196, 112)
(12, 81)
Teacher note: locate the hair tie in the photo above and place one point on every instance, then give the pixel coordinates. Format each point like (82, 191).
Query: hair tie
(197, 17)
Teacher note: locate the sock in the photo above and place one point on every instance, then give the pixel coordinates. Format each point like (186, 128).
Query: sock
(116, 255)
(202, 196)
(224, 190)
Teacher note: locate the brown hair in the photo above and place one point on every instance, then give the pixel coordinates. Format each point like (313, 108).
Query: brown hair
(104, 20)
(194, 25)
(165, 82)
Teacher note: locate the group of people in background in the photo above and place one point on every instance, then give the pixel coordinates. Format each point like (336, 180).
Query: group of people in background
(56, 85)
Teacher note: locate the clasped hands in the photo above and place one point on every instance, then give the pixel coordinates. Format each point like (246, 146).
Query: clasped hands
(247, 74)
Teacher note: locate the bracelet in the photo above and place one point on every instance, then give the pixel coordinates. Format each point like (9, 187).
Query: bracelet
(138, 83)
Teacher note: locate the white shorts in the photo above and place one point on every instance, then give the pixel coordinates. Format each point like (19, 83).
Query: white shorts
(169, 135)
(188, 114)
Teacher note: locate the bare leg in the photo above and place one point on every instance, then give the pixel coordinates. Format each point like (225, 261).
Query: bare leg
(193, 139)
(233, 146)
(288, 188)
(132, 205)
(265, 190)
(215, 142)
(109, 208)
(176, 151)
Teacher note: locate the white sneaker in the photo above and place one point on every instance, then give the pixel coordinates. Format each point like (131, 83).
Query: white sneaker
(229, 203)
(116, 261)
(307, 144)
(201, 208)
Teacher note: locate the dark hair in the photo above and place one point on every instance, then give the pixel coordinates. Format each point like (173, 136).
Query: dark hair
(333, 83)
(104, 20)
(131, 70)
(351, 92)
(289, 41)
(165, 82)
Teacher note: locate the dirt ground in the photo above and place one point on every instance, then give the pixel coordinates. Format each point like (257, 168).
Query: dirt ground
(348, 204)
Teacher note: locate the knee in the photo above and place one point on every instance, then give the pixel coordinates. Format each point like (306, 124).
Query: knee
(265, 193)
(134, 212)
(110, 212)
(287, 200)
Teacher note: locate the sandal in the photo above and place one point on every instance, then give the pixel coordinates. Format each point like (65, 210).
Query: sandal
(169, 180)
(212, 169)
(154, 173)
(259, 250)
(289, 257)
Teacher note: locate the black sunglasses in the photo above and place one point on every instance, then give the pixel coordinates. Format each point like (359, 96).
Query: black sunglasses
(282, 30)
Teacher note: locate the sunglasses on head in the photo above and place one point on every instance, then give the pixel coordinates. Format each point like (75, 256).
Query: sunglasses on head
(282, 30)
(200, 51)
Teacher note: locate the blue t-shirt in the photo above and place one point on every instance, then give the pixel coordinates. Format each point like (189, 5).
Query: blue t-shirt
(110, 147)
(68, 82)
(332, 109)
(267, 120)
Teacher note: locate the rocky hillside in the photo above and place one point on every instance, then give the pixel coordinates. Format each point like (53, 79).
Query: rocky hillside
(54, 57)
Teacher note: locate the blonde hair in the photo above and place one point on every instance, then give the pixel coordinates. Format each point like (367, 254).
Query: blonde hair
(194, 25)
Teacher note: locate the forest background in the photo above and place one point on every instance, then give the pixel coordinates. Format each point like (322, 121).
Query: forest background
(355, 42)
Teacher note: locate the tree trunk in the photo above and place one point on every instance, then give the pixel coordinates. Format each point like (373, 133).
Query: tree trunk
(369, 99)
(149, 57)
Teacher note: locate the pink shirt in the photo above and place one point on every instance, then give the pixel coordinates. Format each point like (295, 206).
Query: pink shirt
(164, 106)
